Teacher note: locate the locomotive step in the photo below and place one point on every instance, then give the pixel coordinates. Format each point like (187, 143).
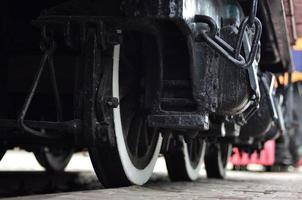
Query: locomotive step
(176, 84)
(179, 121)
(177, 102)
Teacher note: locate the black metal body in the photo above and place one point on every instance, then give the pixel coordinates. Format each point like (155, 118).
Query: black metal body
(207, 71)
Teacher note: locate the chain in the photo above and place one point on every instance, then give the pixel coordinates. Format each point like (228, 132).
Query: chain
(230, 53)
(253, 13)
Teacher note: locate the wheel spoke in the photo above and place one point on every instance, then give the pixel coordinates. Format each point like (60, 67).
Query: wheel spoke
(128, 113)
(195, 147)
(135, 130)
(127, 89)
(151, 134)
(199, 145)
(129, 84)
(192, 146)
(144, 134)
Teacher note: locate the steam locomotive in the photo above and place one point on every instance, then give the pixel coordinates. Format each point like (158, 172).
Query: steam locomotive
(130, 80)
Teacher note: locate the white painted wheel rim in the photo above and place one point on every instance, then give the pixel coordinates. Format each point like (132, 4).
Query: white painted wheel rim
(193, 173)
(134, 175)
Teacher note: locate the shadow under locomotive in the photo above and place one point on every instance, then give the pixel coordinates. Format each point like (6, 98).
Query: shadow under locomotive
(22, 183)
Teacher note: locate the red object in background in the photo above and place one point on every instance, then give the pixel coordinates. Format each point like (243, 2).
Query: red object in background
(266, 156)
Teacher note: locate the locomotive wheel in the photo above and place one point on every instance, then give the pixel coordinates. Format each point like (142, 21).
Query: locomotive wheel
(185, 159)
(124, 151)
(53, 159)
(5, 109)
(216, 159)
(2, 153)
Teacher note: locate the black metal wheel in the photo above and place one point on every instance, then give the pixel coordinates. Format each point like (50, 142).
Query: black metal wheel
(5, 109)
(53, 159)
(2, 153)
(185, 158)
(216, 159)
(123, 149)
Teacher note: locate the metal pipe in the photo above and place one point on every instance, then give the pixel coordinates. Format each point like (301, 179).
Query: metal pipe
(55, 88)
(292, 18)
(73, 126)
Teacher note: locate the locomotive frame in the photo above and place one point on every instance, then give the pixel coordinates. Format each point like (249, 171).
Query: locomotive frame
(180, 96)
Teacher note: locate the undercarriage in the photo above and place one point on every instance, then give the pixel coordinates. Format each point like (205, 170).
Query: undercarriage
(132, 80)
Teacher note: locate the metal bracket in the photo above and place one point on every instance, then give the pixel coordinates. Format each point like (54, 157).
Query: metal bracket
(179, 121)
(233, 53)
(48, 46)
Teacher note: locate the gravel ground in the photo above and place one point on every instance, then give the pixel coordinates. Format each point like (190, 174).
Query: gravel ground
(30, 179)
